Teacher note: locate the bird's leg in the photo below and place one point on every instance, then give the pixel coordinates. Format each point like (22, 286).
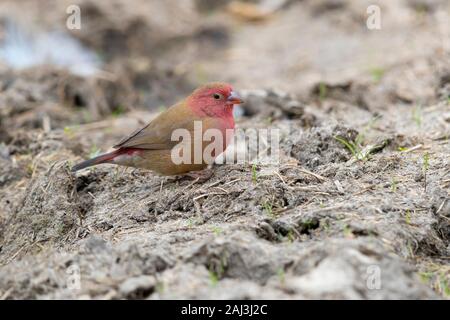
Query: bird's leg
(169, 179)
(198, 176)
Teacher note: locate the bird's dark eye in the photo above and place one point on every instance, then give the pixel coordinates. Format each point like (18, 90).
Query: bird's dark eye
(217, 96)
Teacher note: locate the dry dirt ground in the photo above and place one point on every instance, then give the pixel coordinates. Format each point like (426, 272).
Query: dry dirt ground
(358, 207)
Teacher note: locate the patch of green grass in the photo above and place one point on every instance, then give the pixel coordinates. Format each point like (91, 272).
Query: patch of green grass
(268, 208)
(30, 168)
(217, 230)
(290, 236)
(323, 90)
(417, 115)
(281, 275)
(350, 145)
(377, 73)
(445, 285)
(426, 161)
(421, 10)
(94, 151)
(216, 272)
(394, 185)
(353, 147)
(325, 223)
(118, 110)
(425, 167)
(347, 231)
(437, 276)
(408, 216)
(160, 287)
(254, 173)
(69, 131)
(410, 248)
(192, 222)
(426, 277)
(308, 224)
(213, 278)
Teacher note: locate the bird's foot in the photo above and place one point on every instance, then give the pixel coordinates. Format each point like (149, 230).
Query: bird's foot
(200, 176)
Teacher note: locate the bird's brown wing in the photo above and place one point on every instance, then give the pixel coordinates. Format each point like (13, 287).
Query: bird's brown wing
(157, 134)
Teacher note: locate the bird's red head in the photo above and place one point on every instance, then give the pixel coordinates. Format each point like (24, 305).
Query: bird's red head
(214, 100)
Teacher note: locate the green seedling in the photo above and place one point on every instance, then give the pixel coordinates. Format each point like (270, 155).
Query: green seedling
(290, 235)
(426, 276)
(323, 90)
(445, 285)
(408, 217)
(30, 168)
(117, 111)
(254, 173)
(394, 185)
(425, 166)
(325, 223)
(355, 147)
(213, 278)
(377, 74)
(410, 249)
(437, 276)
(268, 208)
(281, 275)
(347, 231)
(216, 272)
(160, 287)
(350, 145)
(94, 151)
(69, 131)
(217, 230)
(417, 115)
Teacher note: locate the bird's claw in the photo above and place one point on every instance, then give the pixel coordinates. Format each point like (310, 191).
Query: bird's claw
(200, 176)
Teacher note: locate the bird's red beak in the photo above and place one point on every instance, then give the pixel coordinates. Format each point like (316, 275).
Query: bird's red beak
(234, 98)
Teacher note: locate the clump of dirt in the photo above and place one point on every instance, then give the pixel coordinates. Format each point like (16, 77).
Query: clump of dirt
(113, 272)
(41, 218)
(320, 146)
(49, 98)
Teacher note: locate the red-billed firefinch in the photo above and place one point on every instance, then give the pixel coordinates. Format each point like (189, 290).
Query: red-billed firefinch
(151, 147)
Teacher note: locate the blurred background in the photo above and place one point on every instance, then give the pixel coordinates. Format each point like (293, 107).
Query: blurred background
(147, 54)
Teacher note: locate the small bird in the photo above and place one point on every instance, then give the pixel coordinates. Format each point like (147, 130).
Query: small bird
(151, 147)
